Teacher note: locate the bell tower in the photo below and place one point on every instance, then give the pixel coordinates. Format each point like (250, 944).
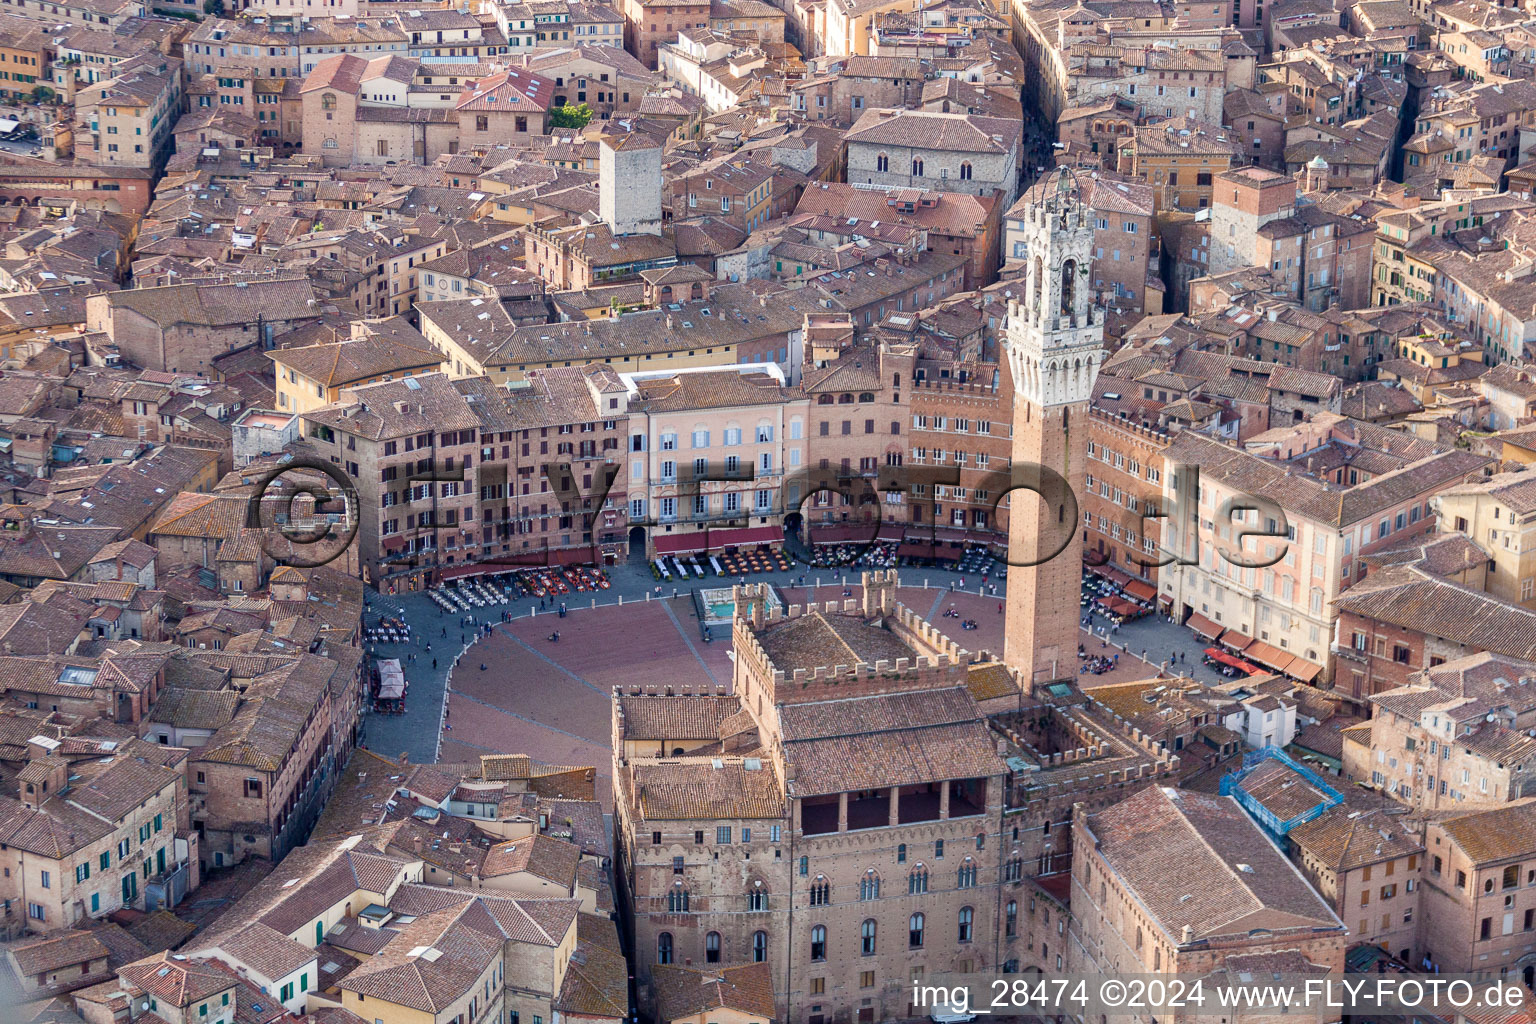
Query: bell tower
(1054, 346)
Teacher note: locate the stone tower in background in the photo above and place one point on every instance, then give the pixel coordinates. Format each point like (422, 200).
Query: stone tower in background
(1054, 346)
(629, 183)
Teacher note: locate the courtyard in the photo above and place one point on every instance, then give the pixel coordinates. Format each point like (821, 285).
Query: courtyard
(511, 689)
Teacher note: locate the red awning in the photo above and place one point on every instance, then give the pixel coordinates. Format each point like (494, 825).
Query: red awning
(891, 531)
(459, 572)
(1233, 640)
(1217, 654)
(570, 556)
(912, 549)
(749, 535)
(678, 543)
(1141, 591)
(1204, 626)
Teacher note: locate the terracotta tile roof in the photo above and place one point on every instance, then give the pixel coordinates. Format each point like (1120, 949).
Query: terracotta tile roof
(683, 991)
(193, 514)
(392, 409)
(161, 931)
(552, 860)
(353, 936)
(937, 131)
(1198, 861)
(435, 960)
(543, 922)
(34, 957)
(58, 553)
(887, 740)
(676, 718)
(583, 820)
(815, 640)
(277, 710)
(347, 362)
(195, 709)
(1348, 837)
(310, 880)
(596, 984)
(1303, 495)
(122, 786)
(1410, 597)
(1494, 835)
(500, 767)
(220, 305)
(178, 980)
(709, 390)
(122, 947)
(344, 73)
(510, 91)
(694, 790)
(266, 951)
(1282, 790)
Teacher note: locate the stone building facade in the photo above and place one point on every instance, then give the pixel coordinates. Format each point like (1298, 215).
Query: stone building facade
(1127, 917)
(849, 814)
(1478, 895)
(1122, 488)
(849, 877)
(1455, 737)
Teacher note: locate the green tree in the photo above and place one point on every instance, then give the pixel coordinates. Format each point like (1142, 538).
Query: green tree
(570, 117)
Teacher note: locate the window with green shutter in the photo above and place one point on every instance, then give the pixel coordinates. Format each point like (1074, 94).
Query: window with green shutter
(82, 872)
(304, 982)
(105, 860)
(225, 1000)
(158, 819)
(319, 932)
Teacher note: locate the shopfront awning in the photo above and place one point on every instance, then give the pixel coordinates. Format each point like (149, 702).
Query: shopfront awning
(1304, 670)
(1204, 626)
(1110, 573)
(570, 556)
(1218, 655)
(747, 535)
(891, 531)
(1232, 640)
(1268, 654)
(841, 533)
(1140, 591)
(679, 543)
(459, 572)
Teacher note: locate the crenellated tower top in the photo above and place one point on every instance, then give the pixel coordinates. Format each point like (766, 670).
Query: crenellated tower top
(1055, 333)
